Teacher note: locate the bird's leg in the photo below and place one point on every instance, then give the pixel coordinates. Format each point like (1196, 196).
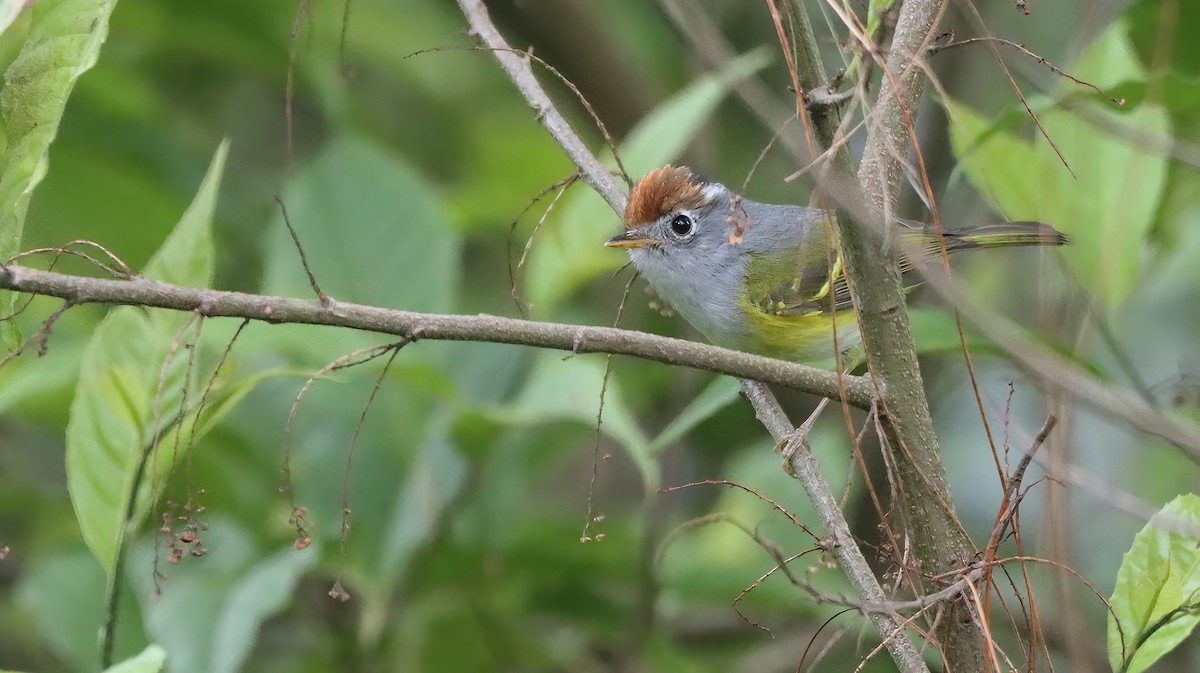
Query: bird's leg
(799, 437)
(847, 361)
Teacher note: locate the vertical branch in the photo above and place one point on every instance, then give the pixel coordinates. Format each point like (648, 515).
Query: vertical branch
(801, 49)
(938, 541)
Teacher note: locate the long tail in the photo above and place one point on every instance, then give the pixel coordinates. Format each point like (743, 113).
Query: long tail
(1002, 235)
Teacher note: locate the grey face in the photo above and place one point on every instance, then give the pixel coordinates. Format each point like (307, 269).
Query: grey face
(687, 257)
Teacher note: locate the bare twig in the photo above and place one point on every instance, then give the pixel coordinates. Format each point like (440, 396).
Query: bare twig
(344, 533)
(514, 273)
(1031, 54)
(706, 39)
(325, 299)
(939, 544)
(146, 461)
(752, 491)
(591, 517)
(1051, 369)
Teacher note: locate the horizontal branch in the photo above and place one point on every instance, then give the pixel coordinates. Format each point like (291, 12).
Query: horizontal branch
(442, 327)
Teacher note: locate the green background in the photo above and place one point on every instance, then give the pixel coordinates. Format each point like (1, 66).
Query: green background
(469, 482)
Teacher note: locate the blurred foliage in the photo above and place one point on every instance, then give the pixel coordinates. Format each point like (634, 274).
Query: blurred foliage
(1103, 191)
(478, 465)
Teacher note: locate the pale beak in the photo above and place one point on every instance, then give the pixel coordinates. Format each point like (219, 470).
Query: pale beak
(631, 238)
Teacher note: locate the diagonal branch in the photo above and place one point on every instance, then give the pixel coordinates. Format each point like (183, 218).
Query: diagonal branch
(839, 540)
(519, 71)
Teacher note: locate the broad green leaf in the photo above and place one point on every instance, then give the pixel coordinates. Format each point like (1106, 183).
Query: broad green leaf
(372, 228)
(63, 43)
(438, 476)
(935, 331)
(1109, 210)
(125, 396)
(1156, 601)
(27, 382)
(1178, 93)
(209, 613)
(720, 393)
(569, 389)
(374, 233)
(570, 250)
(151, 660)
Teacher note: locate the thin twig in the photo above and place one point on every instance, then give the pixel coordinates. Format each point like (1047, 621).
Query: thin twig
(345, 489)
(145, 462)
(325, 299)
(590, 517)
(1119, 102)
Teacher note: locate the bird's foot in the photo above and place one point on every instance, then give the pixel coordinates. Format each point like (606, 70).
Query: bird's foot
(797, 440)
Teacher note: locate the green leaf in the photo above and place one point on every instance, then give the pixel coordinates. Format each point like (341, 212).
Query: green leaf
(1178, 93)
(569, 389)
(151, 660)
(373, 231)
(438, 475)
(1156, 601)
(570, 250)
(63, 43)
(118, 406)
(935, 331)
(28, 382)
(63, 594)
(720, 393)
(1109, 210)
(208, 615)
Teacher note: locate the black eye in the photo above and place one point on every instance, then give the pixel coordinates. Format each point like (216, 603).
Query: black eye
(681, 225)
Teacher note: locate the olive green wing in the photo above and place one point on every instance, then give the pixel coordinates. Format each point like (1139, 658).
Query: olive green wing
(808, 279)
(797, 284)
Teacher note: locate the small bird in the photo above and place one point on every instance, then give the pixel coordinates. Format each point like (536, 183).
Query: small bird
(756, 276)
